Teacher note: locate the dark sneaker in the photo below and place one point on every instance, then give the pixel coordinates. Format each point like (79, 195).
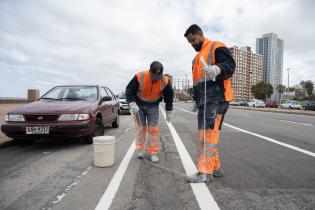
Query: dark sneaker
(218, 173)
(200, 177)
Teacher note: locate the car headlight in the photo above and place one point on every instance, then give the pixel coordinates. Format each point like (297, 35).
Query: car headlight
(83, 117)
(72, 117)
(14, 118)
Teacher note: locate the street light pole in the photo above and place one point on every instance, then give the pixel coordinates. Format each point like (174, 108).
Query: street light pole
(288, 69)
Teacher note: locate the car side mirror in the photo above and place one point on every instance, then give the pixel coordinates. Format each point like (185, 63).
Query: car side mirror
(107, 98)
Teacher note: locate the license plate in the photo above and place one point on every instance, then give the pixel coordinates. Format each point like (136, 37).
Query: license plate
(37, 130)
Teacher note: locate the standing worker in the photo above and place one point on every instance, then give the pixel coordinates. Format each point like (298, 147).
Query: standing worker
(212, 67)
(144, 93)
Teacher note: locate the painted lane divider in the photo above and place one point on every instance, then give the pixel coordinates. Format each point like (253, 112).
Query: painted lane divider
(201, 191)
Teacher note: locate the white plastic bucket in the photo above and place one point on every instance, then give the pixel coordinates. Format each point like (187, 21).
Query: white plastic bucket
(104, 150)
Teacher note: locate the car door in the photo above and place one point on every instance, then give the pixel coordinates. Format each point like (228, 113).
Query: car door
(105, 108)
(114, 104)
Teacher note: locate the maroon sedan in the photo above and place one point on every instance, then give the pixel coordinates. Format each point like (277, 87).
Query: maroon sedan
(66, 112)
(272, 104)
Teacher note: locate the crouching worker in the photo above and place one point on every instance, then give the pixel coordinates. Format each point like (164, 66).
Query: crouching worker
(144, 93)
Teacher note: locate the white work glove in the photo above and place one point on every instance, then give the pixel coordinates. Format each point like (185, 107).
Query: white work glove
(134, 109)
(168, 116)
(211, 71)
(194, 107)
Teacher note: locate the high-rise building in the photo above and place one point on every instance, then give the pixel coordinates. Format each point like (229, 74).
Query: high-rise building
(271, 48)
(248, 72)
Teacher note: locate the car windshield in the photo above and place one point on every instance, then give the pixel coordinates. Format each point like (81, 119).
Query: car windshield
(72, 93)
(295, 103)
(122, 95)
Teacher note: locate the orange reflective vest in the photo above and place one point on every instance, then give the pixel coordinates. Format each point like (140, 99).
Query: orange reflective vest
(148, 90)
(207, 51)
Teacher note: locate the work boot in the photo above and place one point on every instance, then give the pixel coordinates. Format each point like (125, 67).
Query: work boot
(218, 173)
(154, 158)
(140, 154)
(200, 177)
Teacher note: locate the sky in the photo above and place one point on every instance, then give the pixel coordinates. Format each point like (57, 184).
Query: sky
(105, 42)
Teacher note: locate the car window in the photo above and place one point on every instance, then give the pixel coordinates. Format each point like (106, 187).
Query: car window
(72, 93)
(110, 93)
(122, 95)
(54, 93)
(103, 92)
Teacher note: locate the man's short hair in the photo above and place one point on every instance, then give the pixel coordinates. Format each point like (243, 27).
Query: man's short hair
(193, 29)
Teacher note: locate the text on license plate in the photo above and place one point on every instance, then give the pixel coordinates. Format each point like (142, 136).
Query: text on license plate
(37, 130)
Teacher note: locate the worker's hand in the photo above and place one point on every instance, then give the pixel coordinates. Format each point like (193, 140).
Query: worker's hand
(194, 107)
(212, 71)
(134, 109)
(168, 116)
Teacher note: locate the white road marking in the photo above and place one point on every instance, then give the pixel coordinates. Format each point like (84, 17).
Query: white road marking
(264, 137)
(60, 196)
(113, 186)
(297, 122)
(201, 191)
(240, 114)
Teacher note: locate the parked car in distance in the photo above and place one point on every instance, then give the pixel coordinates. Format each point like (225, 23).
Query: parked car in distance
(234, 103)
(123, 107)
(256, 103)
(65, 112)
(309, 106)
(243, 102)
(272, 104)
(291, 105)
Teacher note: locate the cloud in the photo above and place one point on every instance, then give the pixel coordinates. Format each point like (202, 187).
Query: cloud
(55, 42)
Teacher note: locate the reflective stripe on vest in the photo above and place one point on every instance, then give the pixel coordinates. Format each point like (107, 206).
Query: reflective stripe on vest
(142, 87)
(228, 94)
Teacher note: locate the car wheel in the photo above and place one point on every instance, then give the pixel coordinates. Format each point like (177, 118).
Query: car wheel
(97, 131)
(253, 105)
(115, 124)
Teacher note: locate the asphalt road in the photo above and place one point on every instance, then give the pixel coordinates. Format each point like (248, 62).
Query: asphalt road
(259, 174)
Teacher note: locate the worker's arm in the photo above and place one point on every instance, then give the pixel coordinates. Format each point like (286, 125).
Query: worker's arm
(226, 63)
(131, 90)
(196, 96)
(168, 96)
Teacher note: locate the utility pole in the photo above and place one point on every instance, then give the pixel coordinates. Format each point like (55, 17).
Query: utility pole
(186, 83)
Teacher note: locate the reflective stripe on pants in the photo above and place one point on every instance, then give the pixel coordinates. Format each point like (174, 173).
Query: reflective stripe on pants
(208, 144)
(154, 139)
(146, 122)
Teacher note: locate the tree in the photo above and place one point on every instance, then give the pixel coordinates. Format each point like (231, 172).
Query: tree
(262, 90)
(291, 89)
(280, 88)
(308, 86)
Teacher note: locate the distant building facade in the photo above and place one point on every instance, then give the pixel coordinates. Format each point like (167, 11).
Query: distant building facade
(271, 48)
(248, 72)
